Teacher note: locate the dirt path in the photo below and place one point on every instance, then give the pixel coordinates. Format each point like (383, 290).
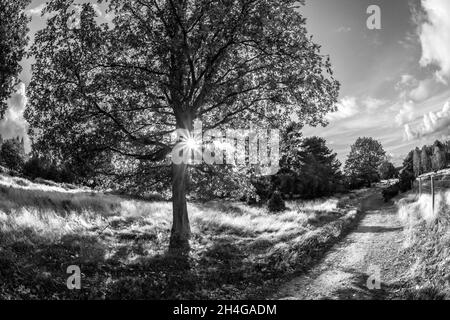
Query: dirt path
(370, 249)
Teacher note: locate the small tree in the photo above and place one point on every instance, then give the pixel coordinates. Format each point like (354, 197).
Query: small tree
(12, 155)
(364, 159)
(386, 170)
(320, 168)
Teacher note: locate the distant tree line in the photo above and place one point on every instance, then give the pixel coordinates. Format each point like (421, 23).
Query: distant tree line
(430, 158)
(309, 169)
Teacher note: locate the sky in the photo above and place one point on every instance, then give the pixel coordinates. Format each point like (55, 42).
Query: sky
(394, 81)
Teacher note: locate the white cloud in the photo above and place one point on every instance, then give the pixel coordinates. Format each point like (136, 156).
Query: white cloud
(347, 108)
(406, 79)
(13, 123)
(373, 104)
(435, 122)
(435, 36)
(422, 91)
(432, 122)
(406, 113)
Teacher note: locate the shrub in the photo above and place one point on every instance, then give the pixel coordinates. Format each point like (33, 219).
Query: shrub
(390, 192)
(276, 202)
(406, 179)
(12, 154)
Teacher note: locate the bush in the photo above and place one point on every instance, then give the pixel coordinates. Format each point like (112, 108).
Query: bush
(390, 192)
(276, 202)
(41, 168)
(406, 179)
(12, 155)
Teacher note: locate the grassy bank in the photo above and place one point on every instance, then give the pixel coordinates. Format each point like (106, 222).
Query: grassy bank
(427, 247)
(120, 244)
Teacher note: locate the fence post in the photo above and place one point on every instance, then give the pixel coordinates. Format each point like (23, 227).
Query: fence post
(432, 193)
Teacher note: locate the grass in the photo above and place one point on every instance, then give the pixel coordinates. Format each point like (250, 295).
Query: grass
(120, 244)
(427, 246)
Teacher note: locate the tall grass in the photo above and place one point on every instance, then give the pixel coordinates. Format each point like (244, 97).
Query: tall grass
(236, 249)
(427, 245)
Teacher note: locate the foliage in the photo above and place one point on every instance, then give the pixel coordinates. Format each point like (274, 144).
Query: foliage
(438, 158)
(386, 170)
(320, 172)
(12, 154)
(41, 167)
(307, 166)
(390, 192)
(110, 96)
(430, 158)
(13, 40)
(417, 164)
(364, 159)
(406, 175)
(276, 202)
(425, 159)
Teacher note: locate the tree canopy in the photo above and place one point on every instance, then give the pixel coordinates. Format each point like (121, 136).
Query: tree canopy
(365, 157)
(109, 96)
(387, 170)
(13, 40)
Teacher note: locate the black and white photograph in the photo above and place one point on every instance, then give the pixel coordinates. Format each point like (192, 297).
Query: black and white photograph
(259, 152)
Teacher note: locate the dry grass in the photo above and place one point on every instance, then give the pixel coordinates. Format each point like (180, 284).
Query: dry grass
(120, 244)
(427, 245)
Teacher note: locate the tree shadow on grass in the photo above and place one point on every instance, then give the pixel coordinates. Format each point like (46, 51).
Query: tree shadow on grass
(33, 266)
(360, 289)
(377, 229)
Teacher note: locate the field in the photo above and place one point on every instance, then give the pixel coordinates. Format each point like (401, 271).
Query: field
(120, 244)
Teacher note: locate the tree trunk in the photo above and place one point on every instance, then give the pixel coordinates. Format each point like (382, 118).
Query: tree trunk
(181, 231)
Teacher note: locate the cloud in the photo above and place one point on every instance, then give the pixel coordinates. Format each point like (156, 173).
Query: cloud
(346, 108)
(373, 104)
(406, 79)
(435, 36)
(406, 113)
(36, 11)
(417, 90)
(432, 122)
(435, 122)
(13, 124)
(422, 91)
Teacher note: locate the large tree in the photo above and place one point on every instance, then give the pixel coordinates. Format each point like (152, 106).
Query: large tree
(13, 40)
(115, 93)
(365, 157)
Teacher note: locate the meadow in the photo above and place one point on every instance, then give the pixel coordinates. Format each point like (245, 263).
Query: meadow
(120, 244)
